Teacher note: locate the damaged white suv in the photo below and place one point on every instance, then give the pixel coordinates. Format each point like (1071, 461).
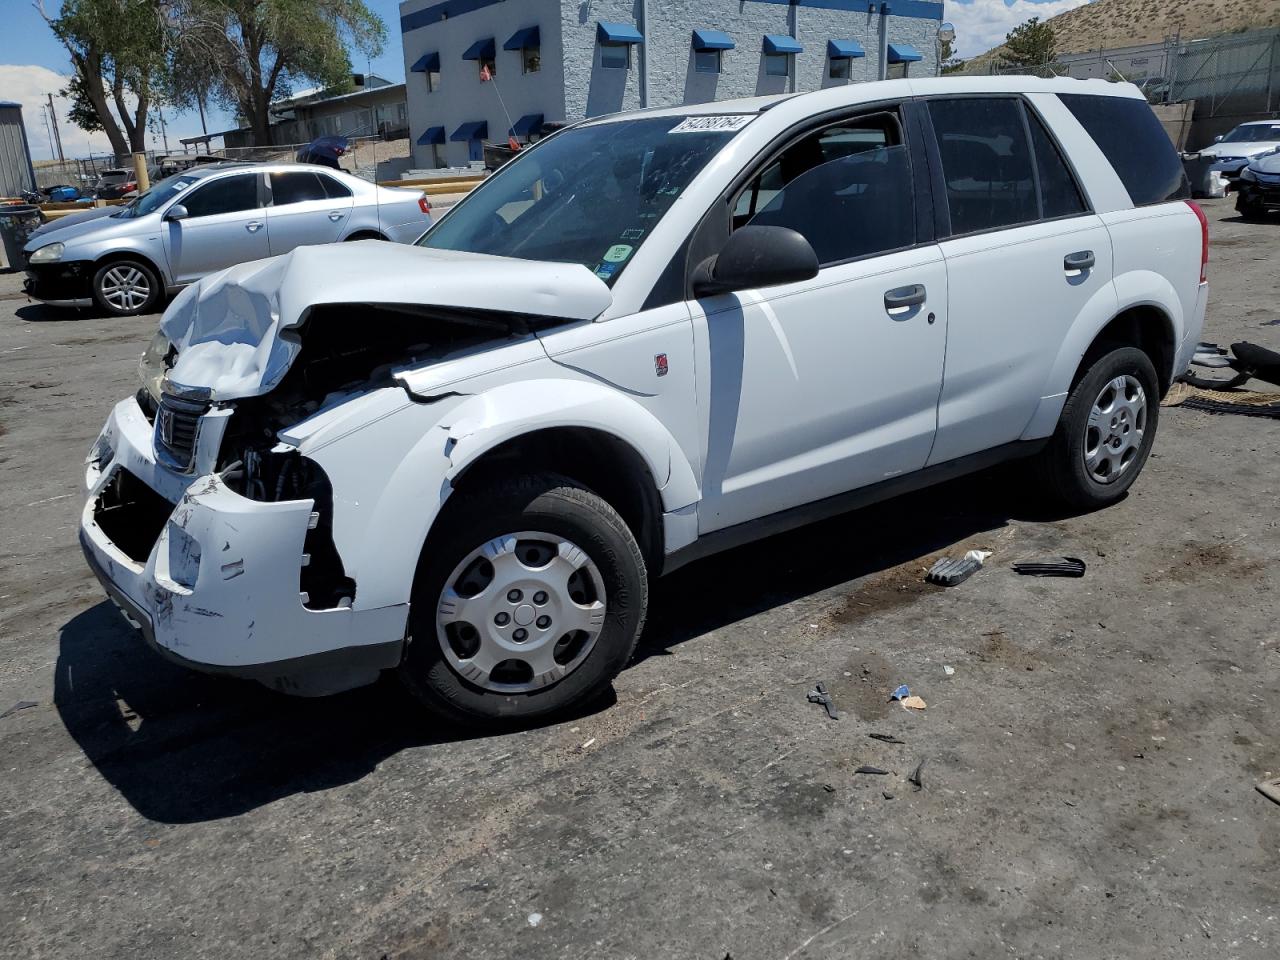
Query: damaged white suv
(647, 338)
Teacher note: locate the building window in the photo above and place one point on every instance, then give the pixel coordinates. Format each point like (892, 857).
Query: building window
(615, 56)
(707, 61)
(491, 65)
(532, 59)
(433, 81)
(841, 68)
(897, 71)
(777, 64)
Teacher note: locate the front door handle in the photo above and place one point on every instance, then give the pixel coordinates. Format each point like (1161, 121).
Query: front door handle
(902, 299)
(253, 226)
(1079, 261)
(335, 216)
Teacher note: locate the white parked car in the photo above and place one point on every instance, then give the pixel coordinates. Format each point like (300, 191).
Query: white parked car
(647, 338)
(1246, 142)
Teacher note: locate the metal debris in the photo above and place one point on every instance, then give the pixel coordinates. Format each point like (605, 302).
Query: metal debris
(915, 777)
(874, 770)
(20, 705)
(819, 695)
(885, 738)
(1270, 789)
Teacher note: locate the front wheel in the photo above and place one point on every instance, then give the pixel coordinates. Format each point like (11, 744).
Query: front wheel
(1105, 431)
(126, 288)
(529, 600)
(1248, 210)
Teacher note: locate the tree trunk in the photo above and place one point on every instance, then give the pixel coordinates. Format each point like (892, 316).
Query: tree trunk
(90, 70)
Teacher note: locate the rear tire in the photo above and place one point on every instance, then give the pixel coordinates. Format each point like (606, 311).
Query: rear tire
(529, 599)
(126, 288)
(1104, 433)
(1249, 211)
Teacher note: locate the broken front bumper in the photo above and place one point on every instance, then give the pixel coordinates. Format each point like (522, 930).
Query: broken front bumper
(212, 578)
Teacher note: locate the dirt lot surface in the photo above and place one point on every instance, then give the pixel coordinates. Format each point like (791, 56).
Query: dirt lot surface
(1088, 766)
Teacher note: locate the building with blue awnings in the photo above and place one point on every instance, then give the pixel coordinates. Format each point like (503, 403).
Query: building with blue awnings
(520, 68)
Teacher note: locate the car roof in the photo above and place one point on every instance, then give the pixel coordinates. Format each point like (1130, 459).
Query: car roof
(874, 90)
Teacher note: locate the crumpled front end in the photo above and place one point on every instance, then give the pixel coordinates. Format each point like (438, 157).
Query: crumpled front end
(216, 579)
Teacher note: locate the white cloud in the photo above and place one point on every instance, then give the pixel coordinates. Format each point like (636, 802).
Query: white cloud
(983, 24)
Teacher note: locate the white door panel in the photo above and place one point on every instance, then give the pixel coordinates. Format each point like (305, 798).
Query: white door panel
(813, 389)
(1012, 300)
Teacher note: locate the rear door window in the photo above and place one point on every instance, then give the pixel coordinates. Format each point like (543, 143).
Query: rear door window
(228, 195)
(1059, 193)
(1130, 136)
(332, 188)
(846, 188)
(287, 188)
(986, 162)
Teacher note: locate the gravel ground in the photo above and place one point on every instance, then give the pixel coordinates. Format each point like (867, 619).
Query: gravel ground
(1089, 764)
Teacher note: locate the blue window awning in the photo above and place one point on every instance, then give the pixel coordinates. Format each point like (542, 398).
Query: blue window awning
(529, 123)
(617, 33)
(427, 63)
(844, 49)
(524, 39)
(475, 130)
(711, 40)
(433, 135)
(481, 49)
(903, 53)
(781, 43)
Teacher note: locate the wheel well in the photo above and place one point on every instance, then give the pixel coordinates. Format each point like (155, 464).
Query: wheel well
(366, 235)
(130, 255)
(1147, 328)
(599, 461)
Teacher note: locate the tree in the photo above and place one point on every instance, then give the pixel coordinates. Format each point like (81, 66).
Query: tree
(1030, 44)
(255, 50)
(118, 62)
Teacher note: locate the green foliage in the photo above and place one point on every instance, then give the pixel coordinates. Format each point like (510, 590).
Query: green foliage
(255, 51)
(1030, 44)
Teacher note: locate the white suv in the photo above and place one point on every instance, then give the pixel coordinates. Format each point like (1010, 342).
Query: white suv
(649, 337)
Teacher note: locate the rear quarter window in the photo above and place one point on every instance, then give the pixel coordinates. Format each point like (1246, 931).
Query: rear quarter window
(1129, 135)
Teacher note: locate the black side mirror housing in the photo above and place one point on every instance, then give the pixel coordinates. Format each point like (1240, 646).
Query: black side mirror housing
(756, 256)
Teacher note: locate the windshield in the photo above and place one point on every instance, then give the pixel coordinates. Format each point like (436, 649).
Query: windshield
(156, 197)
(590, 195)
(1253, 133)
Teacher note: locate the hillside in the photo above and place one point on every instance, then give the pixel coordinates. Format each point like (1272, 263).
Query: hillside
(1121, 23)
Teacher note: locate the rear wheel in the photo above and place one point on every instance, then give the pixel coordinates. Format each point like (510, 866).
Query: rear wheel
(1248, 209)
(529, 600)
(1105, 431)
(126, 287)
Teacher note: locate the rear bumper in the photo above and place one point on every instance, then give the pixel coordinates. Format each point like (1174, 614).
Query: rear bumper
(1191, 335)
(217, 589)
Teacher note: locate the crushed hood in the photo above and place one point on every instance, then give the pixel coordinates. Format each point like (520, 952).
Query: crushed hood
(231, 328)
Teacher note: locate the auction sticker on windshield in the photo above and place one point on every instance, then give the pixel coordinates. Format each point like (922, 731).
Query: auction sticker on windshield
(720, 122)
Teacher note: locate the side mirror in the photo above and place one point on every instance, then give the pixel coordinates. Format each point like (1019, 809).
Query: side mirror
(1218, 138)
(176, 212)
(756, 256)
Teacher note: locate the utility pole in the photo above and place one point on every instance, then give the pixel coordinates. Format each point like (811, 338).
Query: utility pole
(164, 130)
(57, 137)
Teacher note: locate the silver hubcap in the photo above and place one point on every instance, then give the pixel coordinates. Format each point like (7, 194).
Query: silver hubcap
(125, 287)
(1117, 424)
(521, 612)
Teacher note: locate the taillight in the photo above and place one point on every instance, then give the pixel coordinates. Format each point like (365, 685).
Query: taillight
(1204, 238)
(424, 203)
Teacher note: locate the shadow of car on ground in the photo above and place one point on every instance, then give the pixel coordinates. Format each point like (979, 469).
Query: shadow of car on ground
(183, 747)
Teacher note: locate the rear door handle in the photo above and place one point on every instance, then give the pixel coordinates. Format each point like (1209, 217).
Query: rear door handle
(253, 226)
(1082, 260)
(335, 216)
(902, 299)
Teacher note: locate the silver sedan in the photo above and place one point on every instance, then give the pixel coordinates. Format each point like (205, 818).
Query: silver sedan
(125, 259)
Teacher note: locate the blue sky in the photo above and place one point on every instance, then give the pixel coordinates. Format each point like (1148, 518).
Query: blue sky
(33, 63)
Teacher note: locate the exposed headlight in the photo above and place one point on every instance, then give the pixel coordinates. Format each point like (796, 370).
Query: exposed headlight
(155, 363)
(49, 253)
(1247, 174)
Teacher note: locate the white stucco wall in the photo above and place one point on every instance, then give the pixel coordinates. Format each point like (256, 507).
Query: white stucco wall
(572, 85)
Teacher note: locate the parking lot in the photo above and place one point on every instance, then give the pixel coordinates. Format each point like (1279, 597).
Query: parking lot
(1089, 760)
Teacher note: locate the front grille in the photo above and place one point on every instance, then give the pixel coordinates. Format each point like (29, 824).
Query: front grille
(177, 427)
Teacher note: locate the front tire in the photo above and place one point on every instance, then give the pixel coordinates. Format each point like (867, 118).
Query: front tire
(1105, 431)
(529, 600)
(126, 288)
